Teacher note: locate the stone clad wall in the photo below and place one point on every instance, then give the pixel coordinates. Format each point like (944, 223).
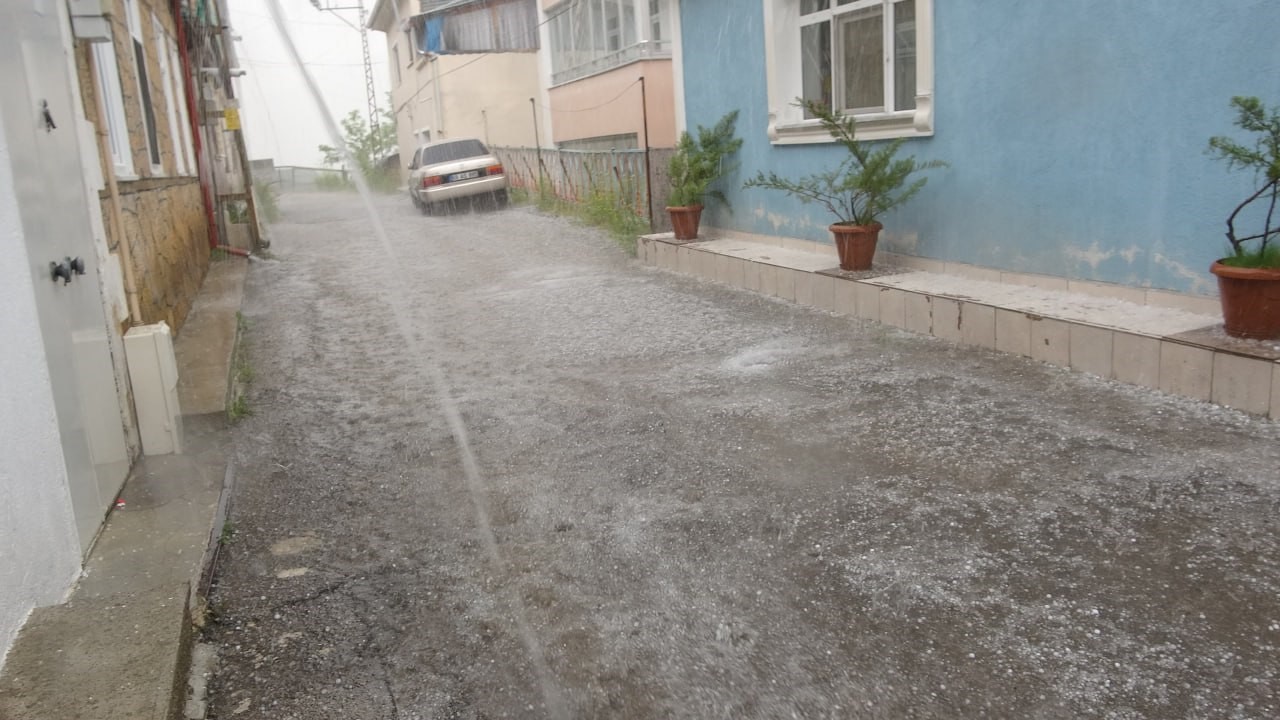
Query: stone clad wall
(168, 229)
(162, 209)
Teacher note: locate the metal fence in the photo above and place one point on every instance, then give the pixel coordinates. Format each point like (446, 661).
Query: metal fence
(290, 178)
(573, 175)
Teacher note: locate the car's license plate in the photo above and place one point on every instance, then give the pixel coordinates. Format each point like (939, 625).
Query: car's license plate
(464, 175)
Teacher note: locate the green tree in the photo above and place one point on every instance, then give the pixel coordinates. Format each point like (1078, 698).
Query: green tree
(1263, 157)
(368, 148)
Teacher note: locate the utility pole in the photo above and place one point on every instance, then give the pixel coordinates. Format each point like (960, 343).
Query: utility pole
(327, 6)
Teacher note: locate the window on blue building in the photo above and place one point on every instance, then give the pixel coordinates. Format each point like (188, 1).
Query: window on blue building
(859, 57)
(868, 58)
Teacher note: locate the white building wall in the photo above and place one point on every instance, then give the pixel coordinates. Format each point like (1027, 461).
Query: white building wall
(39, 549)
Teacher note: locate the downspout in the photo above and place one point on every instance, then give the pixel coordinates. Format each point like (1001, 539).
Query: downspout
(193, 118)
(439, 108)
(113, 193)
(648, 172)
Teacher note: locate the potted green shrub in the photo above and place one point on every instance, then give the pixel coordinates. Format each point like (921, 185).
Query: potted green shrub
(1249, 277)
(868, 183)
(696, 164)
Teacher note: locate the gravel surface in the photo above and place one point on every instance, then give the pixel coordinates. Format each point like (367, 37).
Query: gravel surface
(646, 496)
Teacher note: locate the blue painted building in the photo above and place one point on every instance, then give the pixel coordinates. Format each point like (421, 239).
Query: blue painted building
(1075, 131)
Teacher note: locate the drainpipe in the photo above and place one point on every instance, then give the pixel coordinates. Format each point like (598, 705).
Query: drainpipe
(537, 142)
(193, 118)
(648, 174)
(439, 108)
(113, 193)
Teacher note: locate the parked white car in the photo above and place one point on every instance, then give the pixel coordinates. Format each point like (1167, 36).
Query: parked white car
(450, 170)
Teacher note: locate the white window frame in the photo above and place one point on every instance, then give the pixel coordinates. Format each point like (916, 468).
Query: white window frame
(656, 19)
(170, 99)
(582, 43)
(184, 119)
(787, 124)
(413, 40)
(111, 106)
(149, 130)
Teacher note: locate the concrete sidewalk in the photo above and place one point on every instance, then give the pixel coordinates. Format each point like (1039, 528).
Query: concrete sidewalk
(1154, 339)
(120, 646)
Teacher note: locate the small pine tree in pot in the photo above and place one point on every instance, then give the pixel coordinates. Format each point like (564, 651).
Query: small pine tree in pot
(1249, 277)
(697, 163)
(868, 183)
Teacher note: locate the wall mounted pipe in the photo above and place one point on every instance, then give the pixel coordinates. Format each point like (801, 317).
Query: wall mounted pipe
(193, 118)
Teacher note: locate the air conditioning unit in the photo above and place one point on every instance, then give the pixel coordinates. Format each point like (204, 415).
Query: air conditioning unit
(153, 372)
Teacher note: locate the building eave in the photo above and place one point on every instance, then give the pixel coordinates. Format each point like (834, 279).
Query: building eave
(376, 20)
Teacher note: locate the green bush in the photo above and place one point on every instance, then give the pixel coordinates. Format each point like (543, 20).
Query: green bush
(1263, 158)
(870, 181)
(333, 181)
(267, 199)
(384, 180)
(519, 195)
(610, 210)
(699, 162)
(607, 208)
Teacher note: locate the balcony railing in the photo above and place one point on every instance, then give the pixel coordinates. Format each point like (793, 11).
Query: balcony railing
(646, 50)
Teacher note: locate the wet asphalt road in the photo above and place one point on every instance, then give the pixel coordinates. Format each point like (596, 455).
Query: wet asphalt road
(679, 500)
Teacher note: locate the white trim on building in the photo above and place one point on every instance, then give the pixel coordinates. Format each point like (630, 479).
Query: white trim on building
(111, 98)
(810, 50)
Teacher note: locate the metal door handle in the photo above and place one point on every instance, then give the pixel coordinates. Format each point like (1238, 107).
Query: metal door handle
(67, 269)
(60, 270)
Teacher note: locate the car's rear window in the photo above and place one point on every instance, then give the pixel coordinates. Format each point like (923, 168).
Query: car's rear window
(448, 152)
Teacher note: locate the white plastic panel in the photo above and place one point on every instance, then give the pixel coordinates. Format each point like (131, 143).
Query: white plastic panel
(153, 372)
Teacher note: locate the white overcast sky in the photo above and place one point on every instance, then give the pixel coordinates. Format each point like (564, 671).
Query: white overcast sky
(279, 117)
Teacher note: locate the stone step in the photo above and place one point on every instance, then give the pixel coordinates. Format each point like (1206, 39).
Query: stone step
(114, 657)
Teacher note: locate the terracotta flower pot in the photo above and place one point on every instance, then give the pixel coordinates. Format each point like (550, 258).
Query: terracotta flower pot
(684, 221)
(1250, 300)
(856, 244)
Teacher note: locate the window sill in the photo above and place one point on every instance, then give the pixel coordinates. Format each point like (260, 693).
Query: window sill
(879, 126)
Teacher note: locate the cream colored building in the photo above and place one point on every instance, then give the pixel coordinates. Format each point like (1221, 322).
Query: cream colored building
(454, 76)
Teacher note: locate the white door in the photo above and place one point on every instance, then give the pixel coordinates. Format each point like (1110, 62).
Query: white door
(36, 86)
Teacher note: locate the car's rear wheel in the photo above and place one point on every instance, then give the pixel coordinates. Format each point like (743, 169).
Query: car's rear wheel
(500, 199)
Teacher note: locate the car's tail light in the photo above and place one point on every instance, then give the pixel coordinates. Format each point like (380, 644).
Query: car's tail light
(429, 180)
(493, 170)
